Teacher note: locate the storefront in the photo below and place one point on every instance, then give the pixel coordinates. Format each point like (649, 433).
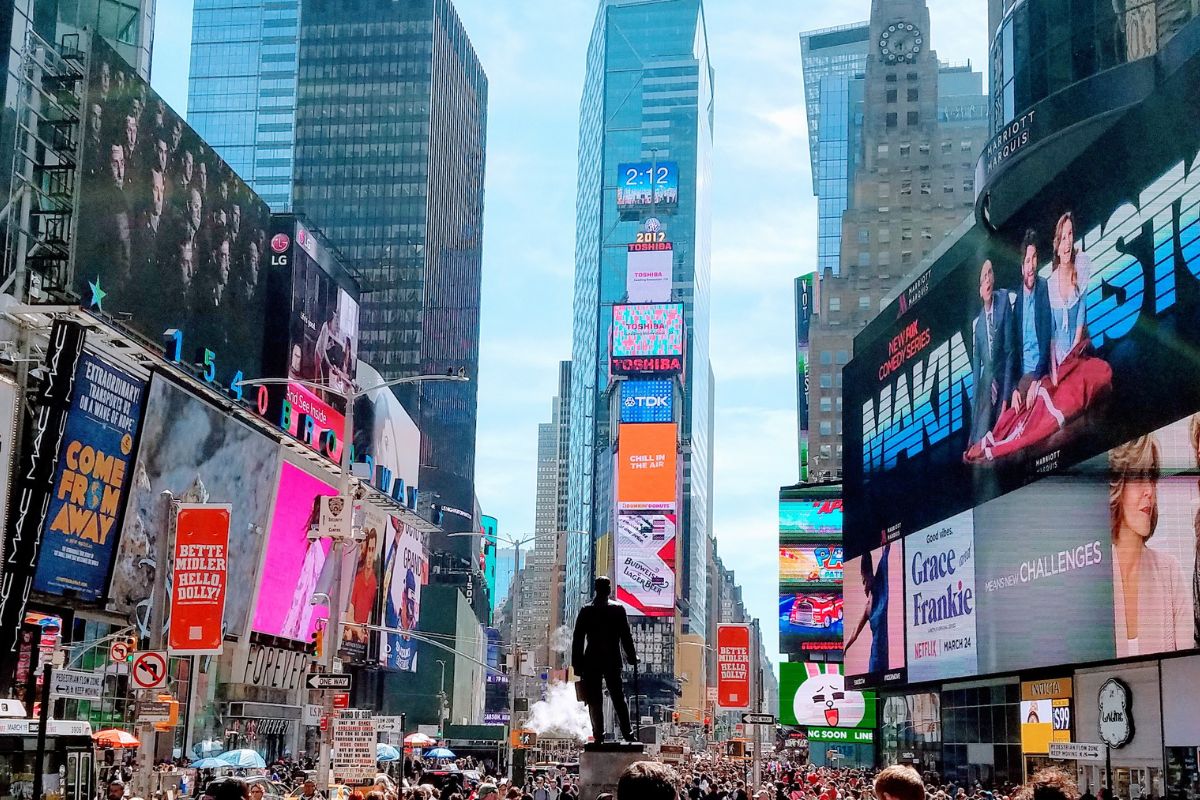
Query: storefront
(849, 748)
(1181, 726)
(1046, 712)
(1132, 699)
(911, 731)
(981, 732)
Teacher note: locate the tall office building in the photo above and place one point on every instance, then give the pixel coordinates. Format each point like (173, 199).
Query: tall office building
(391, 118)
(242, 89)
(830, 59)
(647, 101)
(920, 126)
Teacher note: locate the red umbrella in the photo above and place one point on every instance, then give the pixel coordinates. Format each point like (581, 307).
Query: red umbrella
(114, 737)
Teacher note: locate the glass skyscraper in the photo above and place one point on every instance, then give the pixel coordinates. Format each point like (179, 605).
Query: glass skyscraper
(647, 97)
(242, 89)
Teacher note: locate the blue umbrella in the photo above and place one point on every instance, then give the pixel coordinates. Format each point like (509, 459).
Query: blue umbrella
(245, 759)
(209, 763)
(439, 752)
(385, 752)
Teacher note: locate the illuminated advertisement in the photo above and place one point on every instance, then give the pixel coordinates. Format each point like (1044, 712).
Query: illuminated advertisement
(90, 482)
(201, 455)
(911, 720)
(1045, 714)
(874, 608)
(648, 272)
(802, 519)
(405, 571)
(647, 466)
(168, 236)
(646, 365)
(817, 694)
(733, 667)
(648, 186)
(940, 600)
(1028, 350)
(199, 580)
(648, 329)
(804, 301)
(387, 443)
(645, 563)
(361, 574)
(810, 620)
(806, 566)
(648, 400)
(293, 565)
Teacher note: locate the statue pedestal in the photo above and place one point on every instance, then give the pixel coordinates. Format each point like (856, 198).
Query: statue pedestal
(601, 765)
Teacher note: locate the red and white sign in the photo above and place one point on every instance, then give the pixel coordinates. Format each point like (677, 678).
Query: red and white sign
(648, 273)
(200, 579)
(733, 667)
(118, 651)
(149, 670)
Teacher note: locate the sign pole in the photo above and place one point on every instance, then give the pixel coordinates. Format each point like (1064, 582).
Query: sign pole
(39, 765)
(1108, 771)
(147, 737)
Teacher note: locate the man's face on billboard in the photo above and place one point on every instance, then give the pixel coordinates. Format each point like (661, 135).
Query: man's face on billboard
(131, 131)
(252, 262)
(223, 261)
(1029, 267)
(158, 191)
(96, 118)
(116, 165)
(105, 78)
(987, 282)
(195, 208)
(160, 155)
(185, 261)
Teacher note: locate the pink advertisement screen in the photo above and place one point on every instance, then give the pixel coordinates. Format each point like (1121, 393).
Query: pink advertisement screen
(293, 568)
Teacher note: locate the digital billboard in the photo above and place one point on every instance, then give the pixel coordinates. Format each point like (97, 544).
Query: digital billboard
(804, 301)
(1045, 713)
(651, 400)
(90, 482)
(361, 574)
(810, 620)
(293, 565)
(874, 612)
(648, 272)
(647, 466)
(405, 572)
(817, 694)
(647, 329)
(940, 600)
(645, 563)
(810, 566)
(200, 454)
(648, 185)
(168, 236)
(1029, 349)
(802, 519)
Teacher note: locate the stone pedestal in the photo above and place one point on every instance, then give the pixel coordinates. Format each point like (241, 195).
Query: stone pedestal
(601, 765)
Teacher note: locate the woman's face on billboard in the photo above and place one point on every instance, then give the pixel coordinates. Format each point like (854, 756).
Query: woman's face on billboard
(1139, 497)
(1066, 241)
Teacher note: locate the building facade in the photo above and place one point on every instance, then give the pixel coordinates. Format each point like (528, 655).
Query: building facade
(922, 125)
(647, 99)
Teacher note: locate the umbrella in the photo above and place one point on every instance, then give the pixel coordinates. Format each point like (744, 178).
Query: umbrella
(114, 737)
(419, 740)
(246, 759)
(440, 752)
(385, 752)
(209, 763)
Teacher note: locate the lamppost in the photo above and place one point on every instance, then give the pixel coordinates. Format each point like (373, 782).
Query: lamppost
(442, 704)
(337, 551)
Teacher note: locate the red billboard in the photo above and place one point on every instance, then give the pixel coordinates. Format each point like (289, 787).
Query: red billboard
(200, 578)
(733, 667)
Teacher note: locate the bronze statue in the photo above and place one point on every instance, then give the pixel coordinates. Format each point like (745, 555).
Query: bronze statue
(601, 631)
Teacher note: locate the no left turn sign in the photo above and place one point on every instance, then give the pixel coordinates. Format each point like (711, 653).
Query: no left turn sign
(149, 669)
(118, 651)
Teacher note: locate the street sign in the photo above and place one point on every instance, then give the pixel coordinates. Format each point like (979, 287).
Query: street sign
(328, 680)
(341, 700)
(389, 724)
(118, 651)
(758, 719)
(1076, 751)
(76, 684)
(149, 669)
(153, 711)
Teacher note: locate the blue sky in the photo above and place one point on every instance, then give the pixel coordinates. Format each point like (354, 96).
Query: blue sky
(764, 234)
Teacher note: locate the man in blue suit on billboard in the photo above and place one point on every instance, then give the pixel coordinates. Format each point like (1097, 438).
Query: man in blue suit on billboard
(1031, 310)
(992, 366)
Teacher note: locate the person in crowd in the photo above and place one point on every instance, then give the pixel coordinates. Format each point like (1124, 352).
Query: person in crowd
(1031, 317)
(899, 782)
(228, 788)
(308, 791)
(1151, 598)
(647, 780)
(1048, 784)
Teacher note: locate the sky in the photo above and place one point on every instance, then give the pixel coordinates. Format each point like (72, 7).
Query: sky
(764, 235)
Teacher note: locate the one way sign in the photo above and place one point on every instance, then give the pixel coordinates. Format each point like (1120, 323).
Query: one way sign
(758, 719)
(329, 680)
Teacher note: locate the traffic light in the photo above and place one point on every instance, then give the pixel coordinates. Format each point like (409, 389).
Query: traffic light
(318, 642)
(674, 716)
(131, 646)
(707, 725)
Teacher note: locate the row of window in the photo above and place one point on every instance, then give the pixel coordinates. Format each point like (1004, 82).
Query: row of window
(925, 187)
(923, 148)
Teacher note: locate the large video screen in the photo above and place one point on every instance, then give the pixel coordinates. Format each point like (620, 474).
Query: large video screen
(648, 329)
(405, 573)
(648, 185)
(645, 563)
(200, 454)
(1028, 350)
(646, 466)
(168, 236)
(817, 694)
(809, 566)
(874, 598)
(940, 602)
(803, 519)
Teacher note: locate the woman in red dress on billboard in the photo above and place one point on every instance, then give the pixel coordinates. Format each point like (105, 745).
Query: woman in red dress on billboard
(1077, 378)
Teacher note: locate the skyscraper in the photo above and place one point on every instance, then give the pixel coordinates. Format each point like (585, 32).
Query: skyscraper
(647, 103)
(917, 127)
(391, 118)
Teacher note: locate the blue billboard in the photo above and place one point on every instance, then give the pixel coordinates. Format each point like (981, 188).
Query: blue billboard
(90, 482)
(648, 185)
(648, 400)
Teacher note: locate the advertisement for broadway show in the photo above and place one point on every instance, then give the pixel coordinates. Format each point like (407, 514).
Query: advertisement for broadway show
(168, 236)
(91, 481)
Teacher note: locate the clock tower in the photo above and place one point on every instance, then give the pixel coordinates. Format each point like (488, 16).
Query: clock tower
(901, 80)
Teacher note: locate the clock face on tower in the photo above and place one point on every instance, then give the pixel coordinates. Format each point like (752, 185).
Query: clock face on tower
(900, 42)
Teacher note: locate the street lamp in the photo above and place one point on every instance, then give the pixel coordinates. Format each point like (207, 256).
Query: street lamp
(442, 704)
(337, 551)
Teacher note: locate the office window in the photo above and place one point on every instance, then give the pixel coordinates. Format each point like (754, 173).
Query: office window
(885, 235)
(826, 404)
(826, 428)
(885, 189)
(906, 257)
(864, 302)
(826, 357)
(926, 233)
(905, 149)
(864, 258)
(913, 117)
(912, 76)
(965, 145)
(905, 188)
(835, 304)
(891, 95)
(926, 186)
(923, 148)
(890, 78)
(864, 235)
(891, 119)
(948, 187)
(912, 95)
(826, 381)
(905, 234)
(884, 259)
(947, 147)
(882, 151)
(969, 185)
(843, 356)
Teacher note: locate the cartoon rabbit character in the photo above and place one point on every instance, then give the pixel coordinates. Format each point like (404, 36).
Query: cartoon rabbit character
(824, 700)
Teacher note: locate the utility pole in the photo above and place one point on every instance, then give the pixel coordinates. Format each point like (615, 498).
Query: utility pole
(147, 736)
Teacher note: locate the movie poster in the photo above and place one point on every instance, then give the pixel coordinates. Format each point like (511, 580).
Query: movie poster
(874, 610)
(405, 571)
(91, 481)
(362, 576)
